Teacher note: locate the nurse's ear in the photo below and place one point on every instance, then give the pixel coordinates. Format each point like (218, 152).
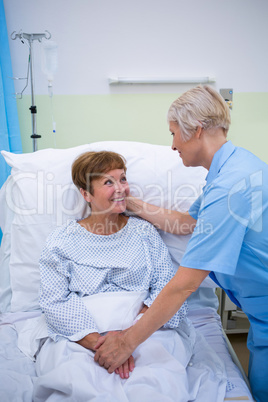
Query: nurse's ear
(198, 132)
(86, 195)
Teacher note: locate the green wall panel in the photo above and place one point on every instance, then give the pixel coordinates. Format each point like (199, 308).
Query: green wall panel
(132, 117)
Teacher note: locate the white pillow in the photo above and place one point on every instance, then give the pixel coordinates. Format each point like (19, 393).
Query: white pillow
(6, 218)
(40, 196)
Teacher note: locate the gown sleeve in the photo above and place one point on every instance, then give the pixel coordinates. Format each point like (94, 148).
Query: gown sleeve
(65, 312)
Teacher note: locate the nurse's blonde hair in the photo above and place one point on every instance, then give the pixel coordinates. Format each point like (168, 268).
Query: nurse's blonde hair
(201, 106)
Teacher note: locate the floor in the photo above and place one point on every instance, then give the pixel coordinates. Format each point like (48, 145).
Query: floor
(239, 343)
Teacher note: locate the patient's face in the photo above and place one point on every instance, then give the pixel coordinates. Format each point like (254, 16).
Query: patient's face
(110, 192)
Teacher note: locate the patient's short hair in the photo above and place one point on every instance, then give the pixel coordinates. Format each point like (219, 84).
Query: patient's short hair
(92, 165)
(201, 106)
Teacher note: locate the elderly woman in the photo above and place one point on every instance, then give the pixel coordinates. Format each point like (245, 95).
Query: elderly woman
(99, 274)
(234, 253)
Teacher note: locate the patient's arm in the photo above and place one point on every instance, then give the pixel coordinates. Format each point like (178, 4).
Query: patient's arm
(168, 220)
(89, 341)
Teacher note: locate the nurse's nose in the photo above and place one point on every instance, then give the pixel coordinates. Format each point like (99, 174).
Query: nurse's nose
(173, 146)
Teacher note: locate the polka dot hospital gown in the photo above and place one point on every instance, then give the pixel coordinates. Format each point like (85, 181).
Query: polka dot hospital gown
(77, 263)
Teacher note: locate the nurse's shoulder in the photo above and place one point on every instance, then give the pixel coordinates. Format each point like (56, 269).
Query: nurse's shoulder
(243, 169)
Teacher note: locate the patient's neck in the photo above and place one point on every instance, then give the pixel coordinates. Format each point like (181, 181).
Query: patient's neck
(103, 224)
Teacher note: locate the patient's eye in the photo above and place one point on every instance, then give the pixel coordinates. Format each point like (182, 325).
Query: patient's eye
(108, 182)
(124, 179)
(172, 134)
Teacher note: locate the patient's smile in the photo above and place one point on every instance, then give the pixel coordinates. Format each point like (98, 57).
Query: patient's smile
(118, 199)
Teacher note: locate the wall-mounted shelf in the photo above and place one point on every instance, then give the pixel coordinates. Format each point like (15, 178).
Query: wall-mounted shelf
(160, 80)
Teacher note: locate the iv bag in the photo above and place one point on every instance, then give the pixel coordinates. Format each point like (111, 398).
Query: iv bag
(49, 58)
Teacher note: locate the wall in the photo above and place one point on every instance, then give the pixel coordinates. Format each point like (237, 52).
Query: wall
(98, 39)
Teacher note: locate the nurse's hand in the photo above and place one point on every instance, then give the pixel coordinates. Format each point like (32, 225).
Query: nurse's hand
(112, 351)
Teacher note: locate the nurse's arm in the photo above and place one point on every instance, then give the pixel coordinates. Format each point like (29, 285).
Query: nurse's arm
(181, 223)
(114, 349)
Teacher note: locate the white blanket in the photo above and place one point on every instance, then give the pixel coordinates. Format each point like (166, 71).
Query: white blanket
(172, 365)
(169, 366)
(113, 311)
(17, 372)
(110, 311)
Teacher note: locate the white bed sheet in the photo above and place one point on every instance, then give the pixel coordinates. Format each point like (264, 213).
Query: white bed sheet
(208, 322)
(18, 372)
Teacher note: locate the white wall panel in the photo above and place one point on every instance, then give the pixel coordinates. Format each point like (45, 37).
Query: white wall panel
(166, 38)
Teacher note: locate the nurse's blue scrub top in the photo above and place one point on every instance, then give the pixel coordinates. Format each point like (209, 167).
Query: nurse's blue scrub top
(231, 235)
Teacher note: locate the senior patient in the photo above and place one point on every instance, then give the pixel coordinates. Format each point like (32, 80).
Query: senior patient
(98, 274)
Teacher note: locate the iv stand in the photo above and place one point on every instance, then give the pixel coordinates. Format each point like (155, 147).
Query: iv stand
(30, 38)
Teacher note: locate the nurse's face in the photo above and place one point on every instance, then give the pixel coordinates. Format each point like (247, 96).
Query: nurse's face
(189, 151)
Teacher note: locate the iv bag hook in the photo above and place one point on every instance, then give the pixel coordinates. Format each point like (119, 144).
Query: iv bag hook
(30, 37)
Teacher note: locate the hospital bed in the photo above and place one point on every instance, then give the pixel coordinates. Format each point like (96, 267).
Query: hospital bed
(37, 197)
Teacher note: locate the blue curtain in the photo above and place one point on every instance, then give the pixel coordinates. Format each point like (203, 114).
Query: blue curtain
(10, 139)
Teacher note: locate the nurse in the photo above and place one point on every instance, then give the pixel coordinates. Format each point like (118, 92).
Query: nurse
(229, 230)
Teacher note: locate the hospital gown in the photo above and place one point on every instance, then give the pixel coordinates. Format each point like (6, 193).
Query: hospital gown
(171, 365)
(77, 263)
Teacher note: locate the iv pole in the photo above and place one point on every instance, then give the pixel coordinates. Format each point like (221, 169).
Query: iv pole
(30, 38)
